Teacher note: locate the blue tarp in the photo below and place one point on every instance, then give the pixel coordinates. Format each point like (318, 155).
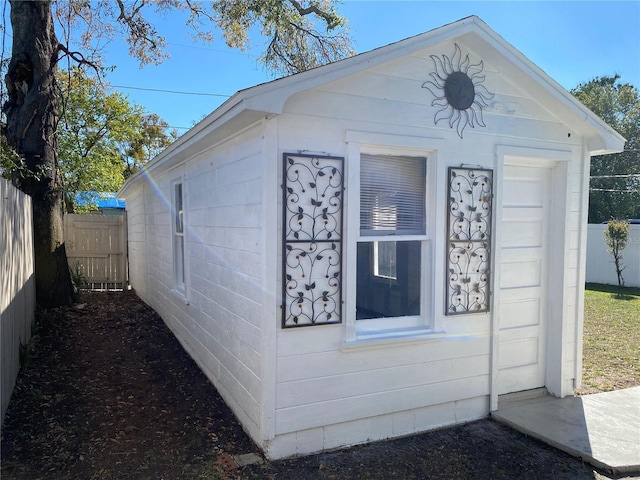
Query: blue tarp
(101, 199)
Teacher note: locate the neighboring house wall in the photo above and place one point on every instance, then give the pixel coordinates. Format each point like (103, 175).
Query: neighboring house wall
(17, 284)
(218, 318)
(600, 267)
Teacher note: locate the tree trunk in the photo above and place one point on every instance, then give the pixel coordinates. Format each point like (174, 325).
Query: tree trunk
(31, 131)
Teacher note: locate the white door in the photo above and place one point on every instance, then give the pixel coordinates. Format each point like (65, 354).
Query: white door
(524, 266)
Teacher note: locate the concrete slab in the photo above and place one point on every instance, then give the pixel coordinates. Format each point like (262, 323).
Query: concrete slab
(603, 429)
(247, 459)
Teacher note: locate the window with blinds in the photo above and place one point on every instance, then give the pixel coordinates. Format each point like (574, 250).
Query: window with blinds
(392, 195)
(389, 274)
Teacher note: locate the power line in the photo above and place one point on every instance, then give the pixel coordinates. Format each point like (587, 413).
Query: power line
(173, 91)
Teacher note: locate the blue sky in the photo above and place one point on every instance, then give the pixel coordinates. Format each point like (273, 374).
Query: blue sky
(572, 41)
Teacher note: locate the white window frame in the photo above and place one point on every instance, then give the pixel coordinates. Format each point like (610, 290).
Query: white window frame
(427, 324)
(376, 261)
(179, 263)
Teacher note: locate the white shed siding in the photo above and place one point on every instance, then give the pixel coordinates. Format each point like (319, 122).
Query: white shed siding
(578, 194)
(159, 272)
(300, 390)
(377, 428)
(219, 321)
(378, 381)
(323, 386)
(392, 96)
(137, 241)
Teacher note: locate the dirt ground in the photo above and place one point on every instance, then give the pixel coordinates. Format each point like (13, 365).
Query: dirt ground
(108, 393)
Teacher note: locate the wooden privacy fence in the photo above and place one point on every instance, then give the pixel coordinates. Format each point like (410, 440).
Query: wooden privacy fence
(96, 247)
(17, 283)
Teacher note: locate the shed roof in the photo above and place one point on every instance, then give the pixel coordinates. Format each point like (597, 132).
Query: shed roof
(247, 106)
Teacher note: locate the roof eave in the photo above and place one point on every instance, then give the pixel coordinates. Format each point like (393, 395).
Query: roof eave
(269, 98)
(601, 138)
(230, 115)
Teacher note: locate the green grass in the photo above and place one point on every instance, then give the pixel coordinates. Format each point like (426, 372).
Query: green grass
(611, 358)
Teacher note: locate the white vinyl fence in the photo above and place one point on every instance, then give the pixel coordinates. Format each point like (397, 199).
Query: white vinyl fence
(600, 267)
(17, 283)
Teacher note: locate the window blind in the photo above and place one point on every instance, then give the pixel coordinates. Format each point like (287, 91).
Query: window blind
(392, 195)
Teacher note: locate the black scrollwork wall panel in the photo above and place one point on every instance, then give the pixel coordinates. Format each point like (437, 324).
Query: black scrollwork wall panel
(312, 240)
(469, 240)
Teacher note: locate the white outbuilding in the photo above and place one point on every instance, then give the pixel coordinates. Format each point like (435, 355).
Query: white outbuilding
(379, 246)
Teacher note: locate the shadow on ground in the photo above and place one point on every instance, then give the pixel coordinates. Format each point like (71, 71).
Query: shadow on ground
(108, 393)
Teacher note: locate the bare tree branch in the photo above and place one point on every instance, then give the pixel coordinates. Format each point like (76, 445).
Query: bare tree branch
(78, 57)
(328, 17)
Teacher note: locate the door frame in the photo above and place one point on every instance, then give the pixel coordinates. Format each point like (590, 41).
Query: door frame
(557, 161)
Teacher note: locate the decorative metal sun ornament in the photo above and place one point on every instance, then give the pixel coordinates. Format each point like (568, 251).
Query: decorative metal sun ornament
(457, 88)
